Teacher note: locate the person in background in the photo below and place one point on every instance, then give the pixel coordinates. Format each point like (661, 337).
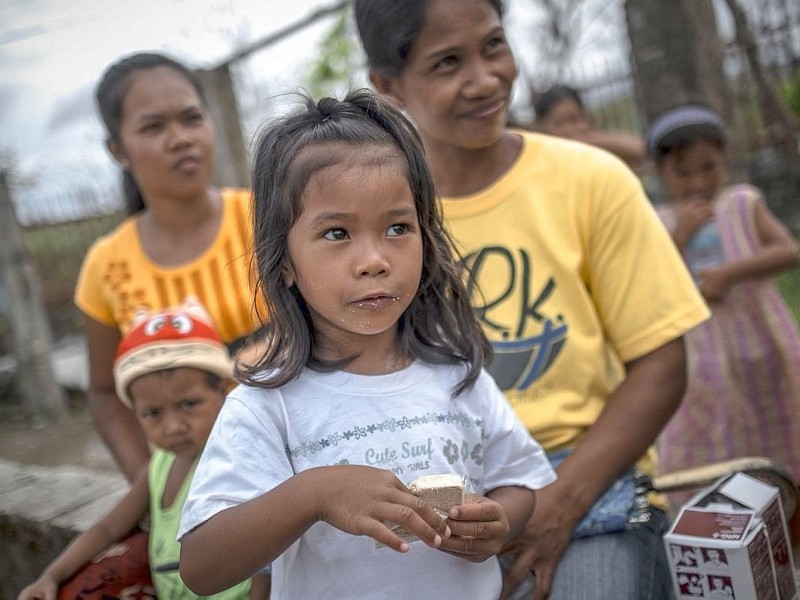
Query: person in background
(743, 396)
(373, 377)
(172, 372)
(560, 111)
(182, 236)
(568, 262)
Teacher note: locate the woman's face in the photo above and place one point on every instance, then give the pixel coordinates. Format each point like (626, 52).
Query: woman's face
(456, 85)
(166, 140)
(696, 172)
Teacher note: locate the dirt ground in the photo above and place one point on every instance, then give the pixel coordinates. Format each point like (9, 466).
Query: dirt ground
(70, 442)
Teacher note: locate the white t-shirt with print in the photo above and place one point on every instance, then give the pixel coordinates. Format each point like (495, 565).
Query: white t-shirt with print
(406, 422)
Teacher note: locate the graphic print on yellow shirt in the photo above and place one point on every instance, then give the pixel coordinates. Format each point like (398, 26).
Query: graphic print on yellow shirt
(518, 361)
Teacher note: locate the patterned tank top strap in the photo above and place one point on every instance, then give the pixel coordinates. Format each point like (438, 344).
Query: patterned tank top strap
(735, 213)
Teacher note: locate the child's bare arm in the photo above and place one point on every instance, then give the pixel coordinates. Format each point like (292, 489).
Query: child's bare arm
(483, 526)
(122, 518)
(260, 587)
(779, 248)
(237, 542)
(779, 251)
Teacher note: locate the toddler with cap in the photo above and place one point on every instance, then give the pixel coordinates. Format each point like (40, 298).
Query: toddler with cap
(174, 372)
(743, 394)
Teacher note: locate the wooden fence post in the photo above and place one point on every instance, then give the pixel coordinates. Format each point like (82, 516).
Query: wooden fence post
(40, 395)
(231, 163)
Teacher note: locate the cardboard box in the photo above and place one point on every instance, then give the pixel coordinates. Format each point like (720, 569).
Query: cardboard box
(731, 541)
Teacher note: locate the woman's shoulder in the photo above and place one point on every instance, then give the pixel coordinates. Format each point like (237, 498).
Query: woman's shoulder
(559, 148)
(238, 203)
(241, 198)
(564, 162)
(119, 239)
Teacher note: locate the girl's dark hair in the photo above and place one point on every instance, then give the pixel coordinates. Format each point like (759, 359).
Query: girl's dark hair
(553, 96)
(681, 126)
(439, 326)
(110, 94)
(388, 28)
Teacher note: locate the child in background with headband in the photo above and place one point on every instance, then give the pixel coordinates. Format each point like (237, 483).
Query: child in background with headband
(743, 396)
(173, 371)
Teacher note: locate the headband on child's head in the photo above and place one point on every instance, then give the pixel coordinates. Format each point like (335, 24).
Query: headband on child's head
(678, 118)
(169, 339)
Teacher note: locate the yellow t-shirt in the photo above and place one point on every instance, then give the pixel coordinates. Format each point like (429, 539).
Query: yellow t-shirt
(575, 276)
(117, 277)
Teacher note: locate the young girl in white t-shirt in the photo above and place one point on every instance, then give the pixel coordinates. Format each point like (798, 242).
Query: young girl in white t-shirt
(374, 377)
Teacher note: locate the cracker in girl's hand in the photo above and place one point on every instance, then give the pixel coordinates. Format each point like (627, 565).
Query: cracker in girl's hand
(441, 492)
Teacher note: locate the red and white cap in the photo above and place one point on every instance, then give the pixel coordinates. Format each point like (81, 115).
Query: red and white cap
(169, 339)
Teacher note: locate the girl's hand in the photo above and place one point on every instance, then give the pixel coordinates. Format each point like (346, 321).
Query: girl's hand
(369, 501)
(479, 529)
(690, 215)
(44, 588)
(714, 284)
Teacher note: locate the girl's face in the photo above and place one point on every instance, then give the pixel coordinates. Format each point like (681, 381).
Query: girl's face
(566, 119)
(177, 409)
(696, 172)
(456, 85)
(355, 253)
(166, 138)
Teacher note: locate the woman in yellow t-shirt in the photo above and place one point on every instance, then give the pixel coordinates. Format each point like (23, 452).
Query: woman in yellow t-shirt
(578, 286)
(182, 237)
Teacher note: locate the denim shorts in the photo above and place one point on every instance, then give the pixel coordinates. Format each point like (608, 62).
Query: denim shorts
(622, 506)
(616, 550)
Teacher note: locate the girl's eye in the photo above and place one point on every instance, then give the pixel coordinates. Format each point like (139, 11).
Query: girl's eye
(336, 234)
(150, 414)
(398, 229)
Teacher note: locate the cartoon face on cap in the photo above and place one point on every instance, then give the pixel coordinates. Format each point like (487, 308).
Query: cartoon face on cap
(169, 339)
(190, 320)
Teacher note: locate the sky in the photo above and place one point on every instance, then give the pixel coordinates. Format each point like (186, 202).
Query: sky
(52, 52)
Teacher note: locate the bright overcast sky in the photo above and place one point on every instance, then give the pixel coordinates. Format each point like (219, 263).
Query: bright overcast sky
(52, 53)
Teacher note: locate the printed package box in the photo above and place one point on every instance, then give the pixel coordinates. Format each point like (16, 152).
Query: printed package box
(731, 541)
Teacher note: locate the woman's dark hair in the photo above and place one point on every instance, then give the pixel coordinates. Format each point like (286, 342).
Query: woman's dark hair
(110, 95)
(439, 325)
(679, 127)
(388, 28)
(546, 101)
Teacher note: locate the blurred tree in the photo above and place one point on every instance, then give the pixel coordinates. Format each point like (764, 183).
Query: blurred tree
(780, 126)
(332, 72)
(677, 54)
